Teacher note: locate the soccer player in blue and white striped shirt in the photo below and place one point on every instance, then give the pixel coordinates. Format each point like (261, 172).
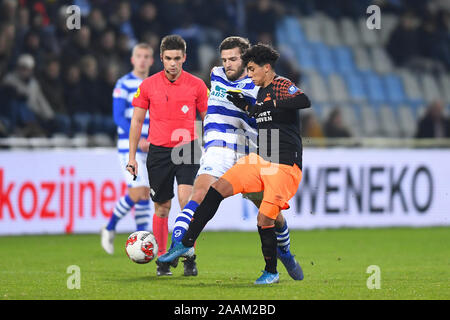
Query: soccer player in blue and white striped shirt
(138, 194)
(229, 134)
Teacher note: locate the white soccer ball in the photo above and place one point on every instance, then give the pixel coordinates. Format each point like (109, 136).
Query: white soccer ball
(141, 247)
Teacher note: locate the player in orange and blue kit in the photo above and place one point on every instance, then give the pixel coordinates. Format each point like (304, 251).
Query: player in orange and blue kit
(276, 169)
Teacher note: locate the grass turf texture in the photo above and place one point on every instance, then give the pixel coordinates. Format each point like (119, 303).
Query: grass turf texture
(414, 263)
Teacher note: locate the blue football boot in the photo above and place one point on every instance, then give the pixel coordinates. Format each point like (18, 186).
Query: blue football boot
(268, 278)
(292, 266)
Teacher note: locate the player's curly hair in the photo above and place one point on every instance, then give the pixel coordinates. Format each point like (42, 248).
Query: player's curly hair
(261, 54)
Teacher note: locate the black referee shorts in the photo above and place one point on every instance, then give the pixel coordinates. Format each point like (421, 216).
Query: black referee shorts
(165, 164)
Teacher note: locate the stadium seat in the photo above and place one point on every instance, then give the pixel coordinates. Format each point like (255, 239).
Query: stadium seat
(324, 58)
(394, 88)
(311, 26)
(338, 90)
(289, 32)
(344, 59)
(388, 122)
(368, 37)
(355, 87)
(39, 142)
(60, 140)
(374, 87)
(381, 61)
(102, 140)
(351, 120)
(330, 32)
(350, 34)
(388, 24)
(406, 121)
(305, 58)
(431, 89)
(318, 89)
(369, 121)
(412, 88)
(362, 59)
(325, 110)
(80, 140)
(294, 31)
(17, 142)
(444, 83)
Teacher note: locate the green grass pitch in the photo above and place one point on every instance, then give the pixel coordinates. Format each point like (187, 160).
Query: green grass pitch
(414, 264)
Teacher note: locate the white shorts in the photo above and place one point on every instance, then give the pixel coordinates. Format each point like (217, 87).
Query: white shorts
(217, 160)
(142, 178)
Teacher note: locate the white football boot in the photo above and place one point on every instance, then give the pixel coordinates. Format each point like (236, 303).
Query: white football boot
(108, 240)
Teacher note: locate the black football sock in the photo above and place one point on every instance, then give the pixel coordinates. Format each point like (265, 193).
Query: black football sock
(205, 211)
(269, 247)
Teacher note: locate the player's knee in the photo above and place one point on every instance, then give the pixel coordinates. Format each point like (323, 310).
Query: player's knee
(279, 222)
(223, 187)
(264, 221)
(162, 209)
(199, 194)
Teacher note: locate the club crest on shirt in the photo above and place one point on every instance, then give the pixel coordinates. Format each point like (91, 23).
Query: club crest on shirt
(292, 89)
(138, 92)
(240, 85)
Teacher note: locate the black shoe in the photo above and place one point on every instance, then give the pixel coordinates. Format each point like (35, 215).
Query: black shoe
(190, 267)
(163, 269)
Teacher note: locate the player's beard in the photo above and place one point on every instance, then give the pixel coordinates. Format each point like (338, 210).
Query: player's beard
(237, 74)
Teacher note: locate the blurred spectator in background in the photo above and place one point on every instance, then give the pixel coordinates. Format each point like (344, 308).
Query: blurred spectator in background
(97, 23)
(434, 124)
(147, 20)
(109, 29)
(121, 20)
(91, 116)
(28, 108)
(123, 53)
(105, 50)
(53, 90)
(334, 126)
(403, 43)
(77, 46)
(261, 21)
(107, 83)
(73, 92)
(84, 115)
(7, 35)
(310, 126)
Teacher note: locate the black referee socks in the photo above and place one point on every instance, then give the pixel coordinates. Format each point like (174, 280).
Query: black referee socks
(205, 211)
(269, 247)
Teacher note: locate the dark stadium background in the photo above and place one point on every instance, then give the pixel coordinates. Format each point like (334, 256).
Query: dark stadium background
(391, 83)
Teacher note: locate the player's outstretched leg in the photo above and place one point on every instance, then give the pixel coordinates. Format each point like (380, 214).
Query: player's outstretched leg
(182, 222)
(123, 206)
(284, 254)
(181, 225)
(205, 211)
